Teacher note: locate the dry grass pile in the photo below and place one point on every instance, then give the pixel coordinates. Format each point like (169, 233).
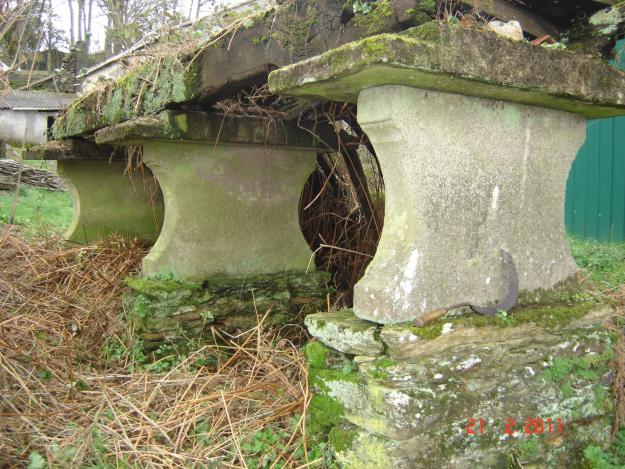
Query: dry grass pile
(64, 402)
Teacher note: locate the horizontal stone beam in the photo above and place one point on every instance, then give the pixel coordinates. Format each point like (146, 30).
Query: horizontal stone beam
(73, 149)
(444, 57)
(203, 127)
(232, 59)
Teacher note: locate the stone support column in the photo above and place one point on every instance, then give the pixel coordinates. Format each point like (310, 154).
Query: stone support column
(231, 248)
(231, 188)
(107, 199)
(229, 209)
(464, 177)
(108, 196)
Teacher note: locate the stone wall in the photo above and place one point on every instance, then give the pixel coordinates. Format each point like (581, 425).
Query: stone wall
(529, 388)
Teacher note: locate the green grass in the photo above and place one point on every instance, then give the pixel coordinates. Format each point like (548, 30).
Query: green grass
(39, 212)
(604, 262)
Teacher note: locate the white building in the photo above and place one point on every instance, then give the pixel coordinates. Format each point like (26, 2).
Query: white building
(26, 116)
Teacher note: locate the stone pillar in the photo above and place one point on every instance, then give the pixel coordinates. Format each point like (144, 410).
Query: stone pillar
(464, 177)
(229, 209)
(109, 200)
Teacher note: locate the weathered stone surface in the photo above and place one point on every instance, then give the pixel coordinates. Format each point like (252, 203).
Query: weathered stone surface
(346, 333)
(229, 61)
(444, 57)
(408, 343)
(464, 178)
(213, 128)
(360, 449)
(73, 149)
(170, 310)
(416, 411)
(229, 209)
(109, 199)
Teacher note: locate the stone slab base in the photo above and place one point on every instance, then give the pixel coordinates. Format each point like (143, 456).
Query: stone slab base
(533, 387)
(173, 311)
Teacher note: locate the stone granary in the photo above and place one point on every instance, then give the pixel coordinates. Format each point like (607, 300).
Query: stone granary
(474, 133)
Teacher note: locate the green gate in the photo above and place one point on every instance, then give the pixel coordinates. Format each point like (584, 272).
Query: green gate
(595, 190)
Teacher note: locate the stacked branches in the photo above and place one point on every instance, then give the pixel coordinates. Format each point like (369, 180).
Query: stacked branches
(14, 171)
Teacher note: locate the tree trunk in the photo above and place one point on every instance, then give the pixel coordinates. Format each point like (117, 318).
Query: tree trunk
(72, 39)
(88, 26)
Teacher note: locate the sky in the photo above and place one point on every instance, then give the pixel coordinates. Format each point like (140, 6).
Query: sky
(61, 8)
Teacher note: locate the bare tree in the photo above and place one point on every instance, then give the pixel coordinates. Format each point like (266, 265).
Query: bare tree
(72, 40)
(129, 20)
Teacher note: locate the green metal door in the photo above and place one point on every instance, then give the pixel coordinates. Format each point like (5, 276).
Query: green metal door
(595, 190)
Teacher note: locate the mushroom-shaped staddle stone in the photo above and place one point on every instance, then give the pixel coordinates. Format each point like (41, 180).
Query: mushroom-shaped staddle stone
(475, 135)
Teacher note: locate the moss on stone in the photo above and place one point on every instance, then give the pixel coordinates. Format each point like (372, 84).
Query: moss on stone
(150, 286)
(297, 32)
(375, 19)
(458, 60)
(320, 377)
(343, 331)
(588, 367)
(341, 438)
(548, 316)
(316, 354)
(384, 362)
(566, 291)
(165, 309)
(428, 32)
(324, 413)
(149, 89)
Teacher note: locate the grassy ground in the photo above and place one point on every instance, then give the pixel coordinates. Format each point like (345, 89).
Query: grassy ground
(75, 393)
(38, 211)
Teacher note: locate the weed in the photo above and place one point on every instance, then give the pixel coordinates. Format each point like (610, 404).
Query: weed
(613, 458)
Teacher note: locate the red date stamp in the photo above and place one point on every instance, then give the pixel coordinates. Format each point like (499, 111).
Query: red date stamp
(531, 426)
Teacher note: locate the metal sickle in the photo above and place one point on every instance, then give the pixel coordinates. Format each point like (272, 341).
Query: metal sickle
(506, 303)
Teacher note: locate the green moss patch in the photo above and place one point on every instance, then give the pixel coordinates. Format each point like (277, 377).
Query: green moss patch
(324, 413)
(588, 367)
(375, 19)
(316, 354)
(342, 438)
(150, 286)
(548, 316)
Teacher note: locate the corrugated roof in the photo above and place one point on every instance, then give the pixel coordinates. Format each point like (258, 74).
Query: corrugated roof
(35, 100)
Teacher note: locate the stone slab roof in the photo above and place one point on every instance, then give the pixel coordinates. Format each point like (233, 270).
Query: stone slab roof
(35, 100)
(444, 57)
